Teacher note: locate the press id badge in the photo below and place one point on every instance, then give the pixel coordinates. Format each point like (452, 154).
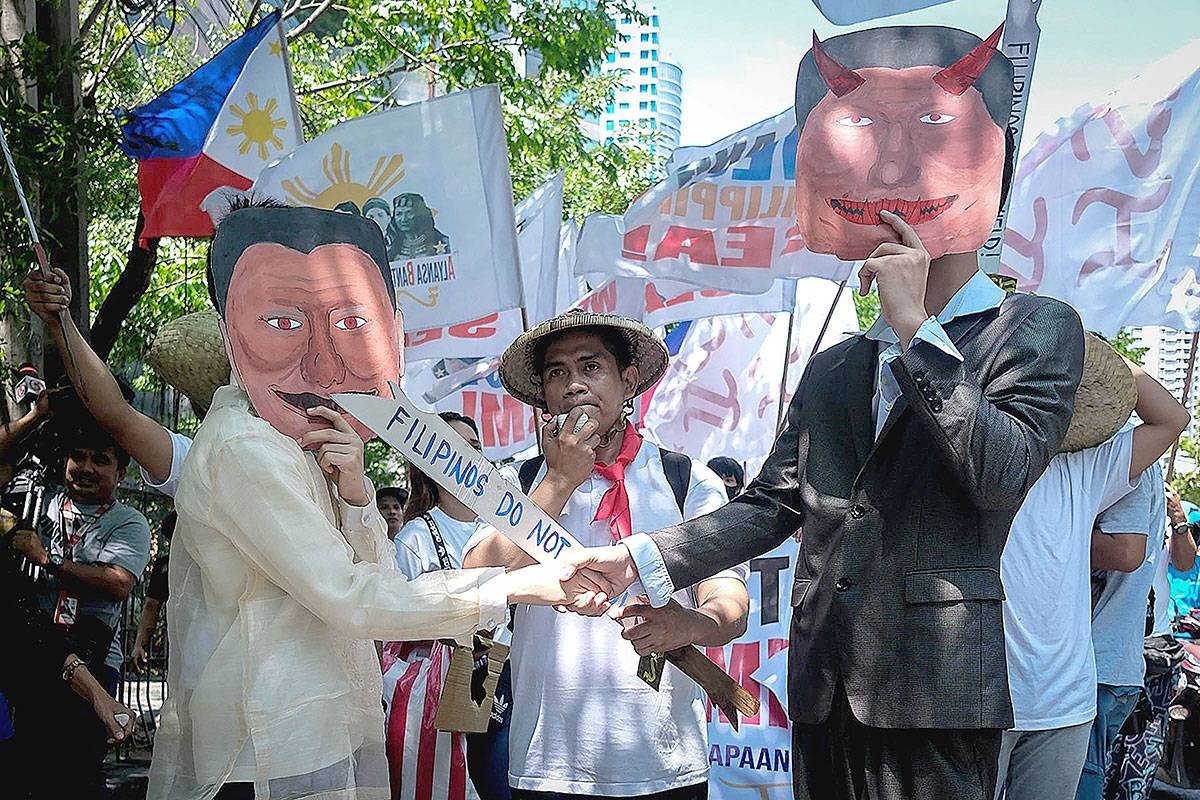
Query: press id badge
(65, 609)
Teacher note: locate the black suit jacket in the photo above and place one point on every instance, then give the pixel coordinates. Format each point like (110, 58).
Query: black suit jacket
(897, 591)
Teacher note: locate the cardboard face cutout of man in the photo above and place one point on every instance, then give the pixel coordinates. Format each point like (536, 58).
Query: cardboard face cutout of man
(307, 309)
(904, 119)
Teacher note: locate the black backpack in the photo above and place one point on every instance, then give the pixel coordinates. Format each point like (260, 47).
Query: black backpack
(677, 466)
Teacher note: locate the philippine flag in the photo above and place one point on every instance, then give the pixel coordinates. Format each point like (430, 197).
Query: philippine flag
(216, 128)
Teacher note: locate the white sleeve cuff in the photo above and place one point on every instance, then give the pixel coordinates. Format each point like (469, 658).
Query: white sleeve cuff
(493, 599)
(651, 568)
(361, 516)
(931, 332)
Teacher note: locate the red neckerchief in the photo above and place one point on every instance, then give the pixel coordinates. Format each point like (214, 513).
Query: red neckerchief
(614, 506)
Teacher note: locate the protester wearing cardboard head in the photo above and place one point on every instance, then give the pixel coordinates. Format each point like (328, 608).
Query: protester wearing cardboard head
(603, 482)
(907, 450)
(910, 120)
(282, 574)
(308, 308)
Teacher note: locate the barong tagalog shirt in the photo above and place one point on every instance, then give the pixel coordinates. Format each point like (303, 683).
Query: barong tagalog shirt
(278, 589)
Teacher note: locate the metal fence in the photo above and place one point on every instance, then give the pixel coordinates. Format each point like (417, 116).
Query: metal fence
(143, 688)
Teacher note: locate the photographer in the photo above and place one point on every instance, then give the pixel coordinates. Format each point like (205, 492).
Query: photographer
(46, 656)
(91, 548)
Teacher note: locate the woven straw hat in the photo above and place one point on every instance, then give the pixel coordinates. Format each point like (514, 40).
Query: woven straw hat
(522, 380)
(189, 354)
(1106, 396)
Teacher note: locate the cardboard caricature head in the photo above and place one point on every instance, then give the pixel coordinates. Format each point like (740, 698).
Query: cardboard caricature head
(905, 119)
(307, 307)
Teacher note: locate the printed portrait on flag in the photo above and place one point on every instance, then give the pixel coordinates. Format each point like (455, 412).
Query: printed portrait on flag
(910, 120)
(307, 309)
(434, 179)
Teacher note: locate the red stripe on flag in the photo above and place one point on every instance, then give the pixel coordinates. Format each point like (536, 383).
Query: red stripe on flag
(458, 766)
(427, 748)
(396, 722)
(172, 190)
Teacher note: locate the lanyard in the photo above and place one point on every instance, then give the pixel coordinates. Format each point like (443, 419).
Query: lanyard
(439, 544)
(70, 515)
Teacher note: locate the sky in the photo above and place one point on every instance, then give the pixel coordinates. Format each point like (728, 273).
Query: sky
(739, 58)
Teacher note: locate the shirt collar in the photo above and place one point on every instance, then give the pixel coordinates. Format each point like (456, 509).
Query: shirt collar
(978, 294)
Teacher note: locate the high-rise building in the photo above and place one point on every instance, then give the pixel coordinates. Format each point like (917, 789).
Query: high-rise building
(1166, 358)
(648, 103)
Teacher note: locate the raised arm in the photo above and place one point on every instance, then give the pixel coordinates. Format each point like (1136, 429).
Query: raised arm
(13, 433)
(1182, 540)
(1122, 552)
(1163, 420)
(147, 442)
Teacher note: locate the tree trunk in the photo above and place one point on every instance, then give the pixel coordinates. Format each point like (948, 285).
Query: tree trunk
(125, 293)
(62, 205)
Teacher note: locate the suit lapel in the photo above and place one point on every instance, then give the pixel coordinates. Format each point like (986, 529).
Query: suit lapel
(858, 371)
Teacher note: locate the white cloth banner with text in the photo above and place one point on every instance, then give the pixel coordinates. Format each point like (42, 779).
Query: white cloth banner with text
(724, 219)
(1106, 208)
(720, 394)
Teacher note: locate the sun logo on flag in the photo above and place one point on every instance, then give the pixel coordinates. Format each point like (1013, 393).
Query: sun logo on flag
(342, 187)
(258, 126)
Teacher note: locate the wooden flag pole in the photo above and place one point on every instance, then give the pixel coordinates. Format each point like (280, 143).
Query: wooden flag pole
(1187, 390)
(787, 354)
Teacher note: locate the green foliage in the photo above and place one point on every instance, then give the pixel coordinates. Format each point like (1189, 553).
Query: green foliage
(867, 307)
(348, 59)
(1126, 344)
(1187, 483)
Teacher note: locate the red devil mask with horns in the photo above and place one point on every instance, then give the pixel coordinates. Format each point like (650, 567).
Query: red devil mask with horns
(904, 119)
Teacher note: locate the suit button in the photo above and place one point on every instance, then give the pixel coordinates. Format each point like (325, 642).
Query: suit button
(857, 511)
(842, 585)
(935, 405)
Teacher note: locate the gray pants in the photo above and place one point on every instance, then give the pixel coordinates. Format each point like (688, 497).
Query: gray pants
(1042, 765)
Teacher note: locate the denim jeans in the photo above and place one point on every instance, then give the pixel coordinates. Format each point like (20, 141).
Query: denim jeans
(487, 753)
(1113, 705)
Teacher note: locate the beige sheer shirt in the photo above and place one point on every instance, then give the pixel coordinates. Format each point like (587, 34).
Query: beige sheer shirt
(278, 589)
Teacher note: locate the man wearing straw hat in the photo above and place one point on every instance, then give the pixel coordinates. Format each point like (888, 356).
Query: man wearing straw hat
(583, 722)
(1047, 563)
(281, 571)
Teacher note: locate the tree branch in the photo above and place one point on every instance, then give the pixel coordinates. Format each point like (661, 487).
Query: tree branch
(125, 293)
(303, 27)
(86, 27)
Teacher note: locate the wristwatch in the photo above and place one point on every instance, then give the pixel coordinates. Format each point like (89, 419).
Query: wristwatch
(54, 564)
(1182, 526)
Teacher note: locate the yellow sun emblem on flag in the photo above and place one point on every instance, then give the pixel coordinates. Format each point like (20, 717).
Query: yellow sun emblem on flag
(342, 187)
(257, 125)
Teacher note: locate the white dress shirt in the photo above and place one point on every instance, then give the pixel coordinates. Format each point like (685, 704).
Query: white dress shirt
(278, 588)
(978, 294)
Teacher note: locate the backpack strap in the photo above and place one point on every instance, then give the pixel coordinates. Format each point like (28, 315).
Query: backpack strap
(529, 471)
(678, 469)
(676, 466)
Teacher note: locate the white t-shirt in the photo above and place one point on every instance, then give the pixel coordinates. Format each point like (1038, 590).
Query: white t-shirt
(1119, 618)
(1162, 592)
(415, 553)
(180, 445)
(1046, 569)
(582, 721)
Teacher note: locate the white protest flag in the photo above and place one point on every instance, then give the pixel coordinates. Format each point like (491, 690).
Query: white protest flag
(1020, 45)
(720, 394)
(665, 302)
(539, 218)
(722, 220)
(571, 287)
(434, 175)
(1105, 212)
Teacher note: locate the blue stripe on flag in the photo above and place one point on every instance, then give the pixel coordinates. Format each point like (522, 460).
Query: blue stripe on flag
(176, 123)
(674, 339)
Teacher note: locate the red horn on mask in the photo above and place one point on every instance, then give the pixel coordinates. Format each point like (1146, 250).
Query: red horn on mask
(840, 80)
(962, 74)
